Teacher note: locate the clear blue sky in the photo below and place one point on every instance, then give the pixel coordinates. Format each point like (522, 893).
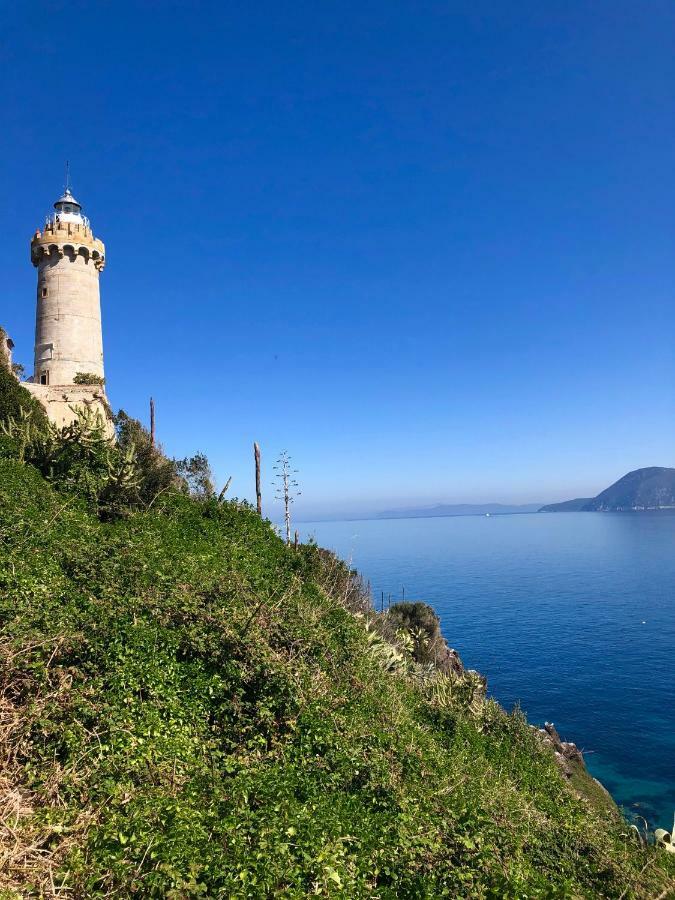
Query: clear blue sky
(426, 247)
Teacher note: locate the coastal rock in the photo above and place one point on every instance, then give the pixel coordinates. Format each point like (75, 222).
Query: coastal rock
(448, 660)
(567, 754)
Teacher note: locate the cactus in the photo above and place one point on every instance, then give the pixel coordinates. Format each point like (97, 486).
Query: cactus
(80, 458)
(22, 431)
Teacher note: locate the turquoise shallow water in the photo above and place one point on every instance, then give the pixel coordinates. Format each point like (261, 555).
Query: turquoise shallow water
(572, 615)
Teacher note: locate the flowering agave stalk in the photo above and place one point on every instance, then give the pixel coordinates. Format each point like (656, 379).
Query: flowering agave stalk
(286, 488)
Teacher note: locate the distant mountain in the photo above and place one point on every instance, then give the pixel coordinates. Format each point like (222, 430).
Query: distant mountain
(650, 488)
(458, 509)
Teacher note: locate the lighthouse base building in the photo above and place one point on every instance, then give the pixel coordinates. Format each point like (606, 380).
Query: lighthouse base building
(61, 402)
(68, 365)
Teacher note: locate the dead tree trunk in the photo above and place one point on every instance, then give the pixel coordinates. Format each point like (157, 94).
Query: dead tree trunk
(152, 422)
(258, 492)
(221, 496)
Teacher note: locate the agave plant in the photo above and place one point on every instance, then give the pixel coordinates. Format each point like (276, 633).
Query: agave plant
(388, 656)
(405, 640)
(451, 690)
(420, 638)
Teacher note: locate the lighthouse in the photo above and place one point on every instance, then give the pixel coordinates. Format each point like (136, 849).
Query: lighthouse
(69, 260)
(68, 363)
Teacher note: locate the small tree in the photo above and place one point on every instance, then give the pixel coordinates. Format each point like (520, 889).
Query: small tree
(197, 475)
(157, 473)
(88, 378)
(286, 488)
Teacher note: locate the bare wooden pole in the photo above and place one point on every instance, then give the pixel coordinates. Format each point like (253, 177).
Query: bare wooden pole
(258, 492)
(296, 540)
(152, 422)
(221, 496)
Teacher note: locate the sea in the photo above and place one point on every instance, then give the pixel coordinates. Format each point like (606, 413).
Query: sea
(569, 615)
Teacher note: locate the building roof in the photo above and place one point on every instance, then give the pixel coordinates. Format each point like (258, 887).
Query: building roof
(67, 197)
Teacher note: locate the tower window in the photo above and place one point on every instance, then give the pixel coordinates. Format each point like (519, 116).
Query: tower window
(44, 377)
(44, 291)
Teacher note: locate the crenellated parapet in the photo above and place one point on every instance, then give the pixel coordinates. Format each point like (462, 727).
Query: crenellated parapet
(59, 239)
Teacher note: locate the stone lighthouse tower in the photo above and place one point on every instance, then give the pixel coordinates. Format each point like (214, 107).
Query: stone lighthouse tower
(68, 335)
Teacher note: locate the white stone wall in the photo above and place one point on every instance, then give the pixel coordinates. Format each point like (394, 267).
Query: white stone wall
(68, 336)
(61, 402)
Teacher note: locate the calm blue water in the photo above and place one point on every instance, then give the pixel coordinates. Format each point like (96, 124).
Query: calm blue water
(572, 615)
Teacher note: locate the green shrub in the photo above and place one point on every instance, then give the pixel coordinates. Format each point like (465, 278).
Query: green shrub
(16, 401)
(88, 378)
(421, 623)
(111, 476)
(156, 473)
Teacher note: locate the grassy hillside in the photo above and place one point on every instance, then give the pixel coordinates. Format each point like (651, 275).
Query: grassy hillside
(190, 708)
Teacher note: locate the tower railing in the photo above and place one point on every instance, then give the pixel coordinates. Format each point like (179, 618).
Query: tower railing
(55, 220)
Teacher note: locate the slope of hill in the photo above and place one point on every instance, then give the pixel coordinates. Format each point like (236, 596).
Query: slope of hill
(190, 708)
(577, 505)
(649, 488)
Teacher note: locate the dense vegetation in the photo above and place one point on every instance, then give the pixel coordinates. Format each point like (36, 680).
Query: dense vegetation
(191, 708)
(16, 402)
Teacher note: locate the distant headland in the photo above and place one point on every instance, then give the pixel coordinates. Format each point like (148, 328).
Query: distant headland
(643, 489)
(459, 509)
(650, 488)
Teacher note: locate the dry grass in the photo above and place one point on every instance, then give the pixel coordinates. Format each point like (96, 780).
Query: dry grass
(31, 850)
